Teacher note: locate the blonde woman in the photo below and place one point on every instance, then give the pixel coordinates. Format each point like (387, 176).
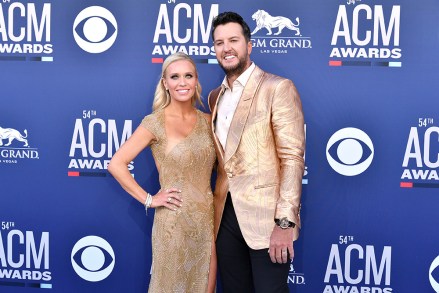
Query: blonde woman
(179, 135)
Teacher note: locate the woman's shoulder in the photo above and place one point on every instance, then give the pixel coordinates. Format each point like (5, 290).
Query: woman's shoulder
(206, 116)
(154, 116)
(153, 121)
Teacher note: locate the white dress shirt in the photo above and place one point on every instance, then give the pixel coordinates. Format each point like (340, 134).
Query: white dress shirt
(228, 102)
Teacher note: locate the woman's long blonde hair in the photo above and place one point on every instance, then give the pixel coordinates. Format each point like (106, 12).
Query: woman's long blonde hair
(161, 96)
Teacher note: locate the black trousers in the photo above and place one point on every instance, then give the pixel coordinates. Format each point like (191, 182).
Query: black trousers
(241, 268)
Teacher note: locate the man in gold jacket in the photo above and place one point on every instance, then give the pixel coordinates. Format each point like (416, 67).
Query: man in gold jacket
(258, 128)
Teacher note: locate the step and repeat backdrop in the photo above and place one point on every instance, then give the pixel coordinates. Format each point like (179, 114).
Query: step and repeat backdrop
(77, 77)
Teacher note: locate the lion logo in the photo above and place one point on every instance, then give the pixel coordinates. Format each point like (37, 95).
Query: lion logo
(11, 134)
(265, 20)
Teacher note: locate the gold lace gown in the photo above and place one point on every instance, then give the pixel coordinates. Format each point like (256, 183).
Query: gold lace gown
(182, 240)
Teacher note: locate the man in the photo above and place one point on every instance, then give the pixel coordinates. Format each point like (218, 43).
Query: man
(258, 124)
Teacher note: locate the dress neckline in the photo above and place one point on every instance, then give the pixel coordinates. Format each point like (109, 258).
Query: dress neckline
(197, 122)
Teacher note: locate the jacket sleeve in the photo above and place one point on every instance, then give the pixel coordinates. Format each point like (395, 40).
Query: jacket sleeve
(288, 128)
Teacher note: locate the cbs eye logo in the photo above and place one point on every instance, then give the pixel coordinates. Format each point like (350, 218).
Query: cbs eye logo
(349, 151)
(433, 282)
(93, 258)
(95, 29)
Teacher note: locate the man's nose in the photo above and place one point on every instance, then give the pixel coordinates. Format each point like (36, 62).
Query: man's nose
(227, 46)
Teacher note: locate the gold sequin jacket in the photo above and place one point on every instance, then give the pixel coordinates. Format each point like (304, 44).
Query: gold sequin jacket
(263, 163)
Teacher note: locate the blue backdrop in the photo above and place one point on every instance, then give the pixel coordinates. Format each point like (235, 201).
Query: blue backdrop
(77, 77)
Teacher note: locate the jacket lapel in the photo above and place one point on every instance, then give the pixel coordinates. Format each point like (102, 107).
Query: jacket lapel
(214, 113)
(242, 110)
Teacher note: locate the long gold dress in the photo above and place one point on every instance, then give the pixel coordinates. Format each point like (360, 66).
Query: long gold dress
(182, 239)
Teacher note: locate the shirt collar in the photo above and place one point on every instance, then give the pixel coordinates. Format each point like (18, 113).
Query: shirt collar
(243, 78)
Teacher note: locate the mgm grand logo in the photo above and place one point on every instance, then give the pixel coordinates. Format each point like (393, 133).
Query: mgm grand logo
(10, 134)
(14, 145)
(281, 34)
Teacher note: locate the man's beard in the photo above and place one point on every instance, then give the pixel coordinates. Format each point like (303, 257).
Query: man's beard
(235, 70)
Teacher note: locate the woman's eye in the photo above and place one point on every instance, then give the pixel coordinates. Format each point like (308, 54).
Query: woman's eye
(189, 76)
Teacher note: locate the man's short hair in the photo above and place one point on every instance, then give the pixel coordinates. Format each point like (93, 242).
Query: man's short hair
(227, 17)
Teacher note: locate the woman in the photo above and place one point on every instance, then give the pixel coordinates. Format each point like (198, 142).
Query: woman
(184, 258)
